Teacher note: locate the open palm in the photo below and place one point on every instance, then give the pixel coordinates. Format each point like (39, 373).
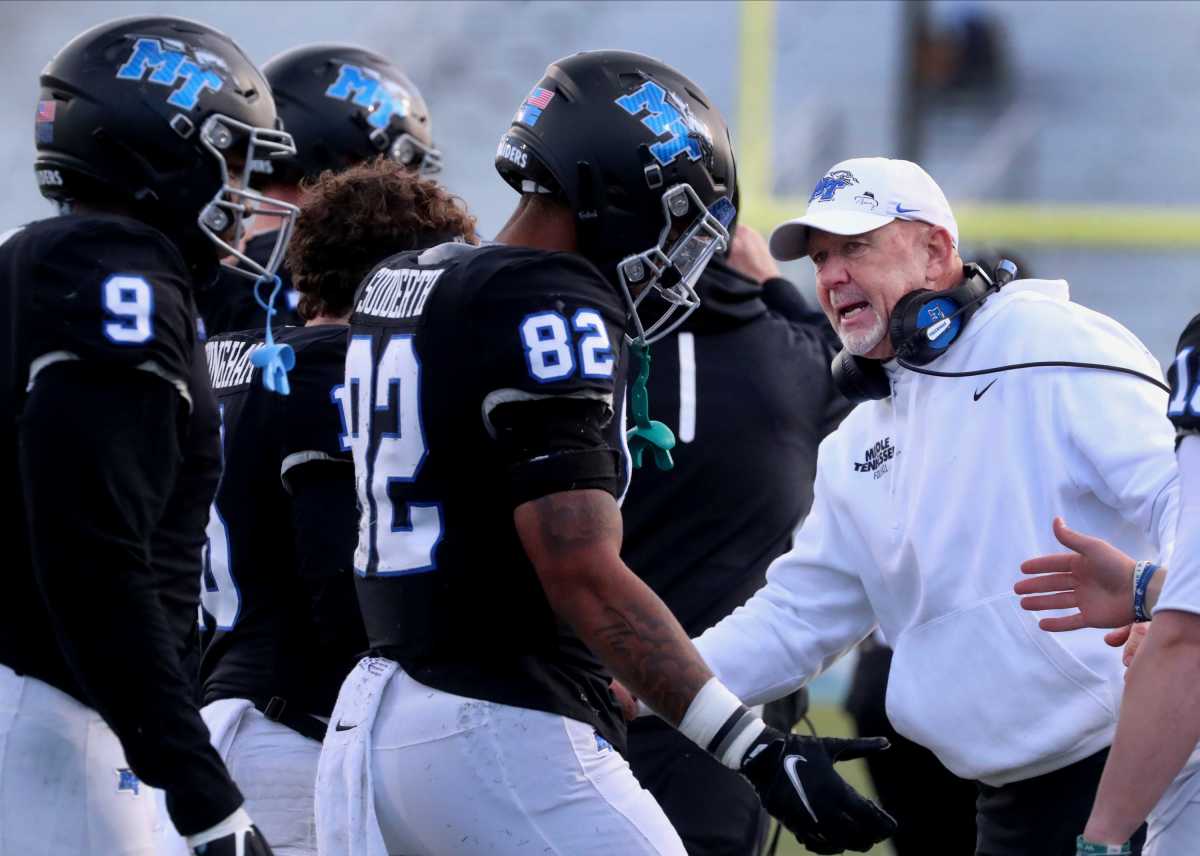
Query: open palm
(1096, 579)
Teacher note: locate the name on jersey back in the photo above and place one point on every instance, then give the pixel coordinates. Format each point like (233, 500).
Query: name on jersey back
(399, 293)
(229, 361)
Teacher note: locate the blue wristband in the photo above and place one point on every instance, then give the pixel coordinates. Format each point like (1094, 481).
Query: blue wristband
(1142, 572)
(1083, 847)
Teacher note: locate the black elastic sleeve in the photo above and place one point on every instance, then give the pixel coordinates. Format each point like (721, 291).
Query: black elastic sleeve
(99, 452)
(555, 444)
(548, 332)
(325, 520)
(1184, 377)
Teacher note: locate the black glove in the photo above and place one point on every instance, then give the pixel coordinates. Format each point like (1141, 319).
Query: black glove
(234, 836)
(795, 780)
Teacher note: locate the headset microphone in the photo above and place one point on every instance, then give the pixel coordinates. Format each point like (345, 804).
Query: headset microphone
(925, 323)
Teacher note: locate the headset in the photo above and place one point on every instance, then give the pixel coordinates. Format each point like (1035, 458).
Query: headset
(925, 323)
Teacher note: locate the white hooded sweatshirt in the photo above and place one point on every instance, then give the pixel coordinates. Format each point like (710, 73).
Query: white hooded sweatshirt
(926, 503)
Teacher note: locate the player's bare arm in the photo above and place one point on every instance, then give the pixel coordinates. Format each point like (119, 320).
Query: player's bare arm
(1157, 730)
(573, 539)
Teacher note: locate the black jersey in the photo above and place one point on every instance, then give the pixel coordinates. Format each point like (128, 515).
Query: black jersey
(277, 579)
(1184, 377)
(749, 396)
(112, 462)
(228, 305)
(479, 378)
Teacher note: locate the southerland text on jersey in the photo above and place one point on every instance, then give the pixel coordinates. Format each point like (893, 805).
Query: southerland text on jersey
(875, 458)
(397, 293)
(229, 361)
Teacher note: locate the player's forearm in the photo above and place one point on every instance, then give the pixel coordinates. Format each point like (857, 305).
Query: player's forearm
(573, 539)
(1158, 728)
(631, 630)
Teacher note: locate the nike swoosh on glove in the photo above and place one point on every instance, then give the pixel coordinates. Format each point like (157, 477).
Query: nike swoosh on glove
(794, 777)
(236, 835)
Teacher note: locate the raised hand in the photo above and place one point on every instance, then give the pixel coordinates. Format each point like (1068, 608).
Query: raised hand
(1096, 579)
(749, 255)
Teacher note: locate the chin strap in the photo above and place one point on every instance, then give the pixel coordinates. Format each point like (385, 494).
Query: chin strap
(274, 360)
(647, 432)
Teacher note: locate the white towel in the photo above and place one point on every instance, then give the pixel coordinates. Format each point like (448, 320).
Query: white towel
(222, 718)
(345, 802)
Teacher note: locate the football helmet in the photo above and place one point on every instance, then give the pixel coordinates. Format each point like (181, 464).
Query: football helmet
(344, 104)
(163, 117)
(644, 161)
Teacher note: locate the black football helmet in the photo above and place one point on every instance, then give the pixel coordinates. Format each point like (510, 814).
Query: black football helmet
(645, 162)
(163, 116)
(343, 105)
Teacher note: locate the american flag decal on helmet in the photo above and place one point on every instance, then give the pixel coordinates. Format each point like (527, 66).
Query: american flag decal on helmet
(44, 121)
(535, 102)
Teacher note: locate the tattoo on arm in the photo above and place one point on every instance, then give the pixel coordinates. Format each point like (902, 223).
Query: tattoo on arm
(644, 644)
(574, 540)
(576, 521)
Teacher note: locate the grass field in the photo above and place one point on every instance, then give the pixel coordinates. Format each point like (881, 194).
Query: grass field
(831, 722)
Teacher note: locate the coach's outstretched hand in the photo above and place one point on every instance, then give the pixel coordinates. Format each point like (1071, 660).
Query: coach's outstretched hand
(236, 835)
(1096, 579)
(797, 784)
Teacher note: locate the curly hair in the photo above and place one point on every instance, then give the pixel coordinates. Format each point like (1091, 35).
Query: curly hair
(351, 220)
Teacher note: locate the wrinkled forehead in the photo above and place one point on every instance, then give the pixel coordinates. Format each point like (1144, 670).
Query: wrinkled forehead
(819, 239)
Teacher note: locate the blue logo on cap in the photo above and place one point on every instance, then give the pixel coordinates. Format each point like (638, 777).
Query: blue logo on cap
(831, 184)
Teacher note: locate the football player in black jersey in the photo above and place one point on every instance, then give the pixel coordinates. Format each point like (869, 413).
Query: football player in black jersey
(343, 105)
(142, 128)
(278, 581)
(483, 406)
(1153, 770)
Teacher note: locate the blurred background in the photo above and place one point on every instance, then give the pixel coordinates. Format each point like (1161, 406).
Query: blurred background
(1064, 133)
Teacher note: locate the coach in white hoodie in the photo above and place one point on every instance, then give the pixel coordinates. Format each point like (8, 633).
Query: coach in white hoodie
(928, 500)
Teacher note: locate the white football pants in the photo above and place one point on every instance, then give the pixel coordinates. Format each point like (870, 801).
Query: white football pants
(65, 788)
(456, 775)
(276, 770)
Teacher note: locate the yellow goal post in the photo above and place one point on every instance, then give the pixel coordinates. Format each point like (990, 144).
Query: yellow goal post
(1099, 226)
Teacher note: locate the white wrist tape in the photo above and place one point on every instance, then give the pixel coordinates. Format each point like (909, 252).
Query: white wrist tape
(719, 723)
(237, 821)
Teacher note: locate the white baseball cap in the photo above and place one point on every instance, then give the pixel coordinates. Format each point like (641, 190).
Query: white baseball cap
(860, 195)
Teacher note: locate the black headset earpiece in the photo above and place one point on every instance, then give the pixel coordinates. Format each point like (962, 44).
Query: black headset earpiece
(925, 323)
(859, 379)
(922, 328)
